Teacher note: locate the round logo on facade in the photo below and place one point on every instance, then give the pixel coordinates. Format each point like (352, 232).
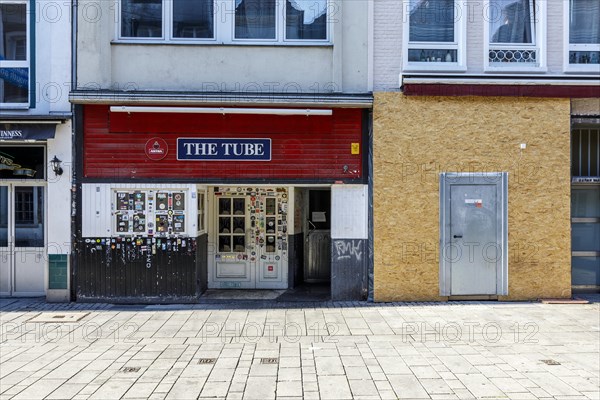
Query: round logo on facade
(156, 149)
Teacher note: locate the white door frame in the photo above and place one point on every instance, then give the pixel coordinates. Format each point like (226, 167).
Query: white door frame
(13, 250)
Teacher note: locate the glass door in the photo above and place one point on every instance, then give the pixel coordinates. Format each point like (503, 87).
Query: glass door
(22, 240)
(5, 243)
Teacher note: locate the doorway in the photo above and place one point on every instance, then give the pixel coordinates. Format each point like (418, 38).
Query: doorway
(22, 240)
(473, 227)
(248, 245)
(317, 258)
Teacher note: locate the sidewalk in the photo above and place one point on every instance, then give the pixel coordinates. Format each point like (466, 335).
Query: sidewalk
(328, 350)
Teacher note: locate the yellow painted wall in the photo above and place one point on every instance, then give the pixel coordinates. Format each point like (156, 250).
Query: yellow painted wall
(416, 138)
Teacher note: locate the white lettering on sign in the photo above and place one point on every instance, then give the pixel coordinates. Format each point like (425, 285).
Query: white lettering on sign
(11, 134)
(243, 149)
(200, 149)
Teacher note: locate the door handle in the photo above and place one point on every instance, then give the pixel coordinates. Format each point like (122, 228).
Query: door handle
(458, 236)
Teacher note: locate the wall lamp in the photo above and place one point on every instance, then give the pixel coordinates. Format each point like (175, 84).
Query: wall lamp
(55, 162)
(222, 110)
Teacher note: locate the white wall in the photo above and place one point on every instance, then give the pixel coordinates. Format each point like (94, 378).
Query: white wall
(388, 41)
(104, 63)
(52, 58)
(59, 192)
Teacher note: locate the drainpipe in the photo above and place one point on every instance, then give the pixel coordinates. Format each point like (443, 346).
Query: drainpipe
(74, 120)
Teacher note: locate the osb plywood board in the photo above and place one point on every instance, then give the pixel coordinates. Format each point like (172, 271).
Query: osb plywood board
(417, 138)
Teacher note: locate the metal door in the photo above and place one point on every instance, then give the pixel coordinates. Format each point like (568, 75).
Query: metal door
(22, 241)
(474, 236)
(317, 265)
(249, 239)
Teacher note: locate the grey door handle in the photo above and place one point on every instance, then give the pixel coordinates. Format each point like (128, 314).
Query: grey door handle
(457, 236)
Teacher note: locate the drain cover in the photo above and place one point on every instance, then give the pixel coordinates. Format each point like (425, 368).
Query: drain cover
(53, 317)
(207, 361)
(550, 362)
(130, 369)
(269, 360)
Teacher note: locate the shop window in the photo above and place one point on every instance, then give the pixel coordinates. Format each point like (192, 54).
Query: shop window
(584, 35)
(29, 216)
(269, 21)
(434, 31)
(22, 162)
(585, 152)
(14, 54)
(145, 212)
(201, 212)
(585, 207)
(515, 34)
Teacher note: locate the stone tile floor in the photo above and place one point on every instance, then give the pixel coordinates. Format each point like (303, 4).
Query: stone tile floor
(321, 350)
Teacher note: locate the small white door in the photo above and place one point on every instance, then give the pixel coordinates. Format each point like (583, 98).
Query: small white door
(248, 238)
(22, 240)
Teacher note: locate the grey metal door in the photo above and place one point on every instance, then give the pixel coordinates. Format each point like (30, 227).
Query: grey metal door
(474, 235)
(318, 266)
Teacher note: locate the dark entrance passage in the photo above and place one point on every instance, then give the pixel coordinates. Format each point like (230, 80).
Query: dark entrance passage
(317, 260)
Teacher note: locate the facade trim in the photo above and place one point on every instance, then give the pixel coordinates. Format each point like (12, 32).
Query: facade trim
(502, 90)
(241, 99)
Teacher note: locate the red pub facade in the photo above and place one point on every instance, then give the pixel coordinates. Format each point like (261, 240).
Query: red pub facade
(175, 200)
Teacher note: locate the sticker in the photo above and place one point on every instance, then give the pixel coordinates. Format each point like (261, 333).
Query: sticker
(474, 202)
(355, 148)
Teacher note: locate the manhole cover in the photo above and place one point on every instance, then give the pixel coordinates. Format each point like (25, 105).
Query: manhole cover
(550, 362)
(207, 361)
(130, 369)
(269, 360)
(58, 317)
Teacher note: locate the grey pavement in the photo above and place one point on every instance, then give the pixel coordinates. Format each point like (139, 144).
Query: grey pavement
(321, 350)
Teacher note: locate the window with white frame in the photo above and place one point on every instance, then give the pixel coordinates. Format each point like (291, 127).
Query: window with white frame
(514, 33)
(584, 33)
(14, 53)
(224, 21)
(433, 31)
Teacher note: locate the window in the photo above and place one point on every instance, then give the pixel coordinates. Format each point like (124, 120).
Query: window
(434, 29)
(14, 54)
(584, 34)
(224, 21)
(201, 212)
(514, 32)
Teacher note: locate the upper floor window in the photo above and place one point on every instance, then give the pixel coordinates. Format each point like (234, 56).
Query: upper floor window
(14, 54)
(224, 21)
(515, 34)
(435, 30)
(584, 34)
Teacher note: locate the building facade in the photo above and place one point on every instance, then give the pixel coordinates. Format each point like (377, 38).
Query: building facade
(486, 127)
(35, 149)
(222, 145)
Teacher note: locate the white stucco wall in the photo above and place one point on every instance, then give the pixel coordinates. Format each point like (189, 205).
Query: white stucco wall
(105, 63)
(52, 63)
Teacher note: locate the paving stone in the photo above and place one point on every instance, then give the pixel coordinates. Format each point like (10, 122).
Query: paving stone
(289, 389)
(334, 387)
(362, 388)
(407, 387)
(260, 388)
(214, 389)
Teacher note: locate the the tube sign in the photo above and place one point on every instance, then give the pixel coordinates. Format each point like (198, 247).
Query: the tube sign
(219, 149)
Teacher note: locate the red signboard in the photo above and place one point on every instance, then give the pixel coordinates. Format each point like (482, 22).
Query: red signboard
(156, 149)
(313, 148)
